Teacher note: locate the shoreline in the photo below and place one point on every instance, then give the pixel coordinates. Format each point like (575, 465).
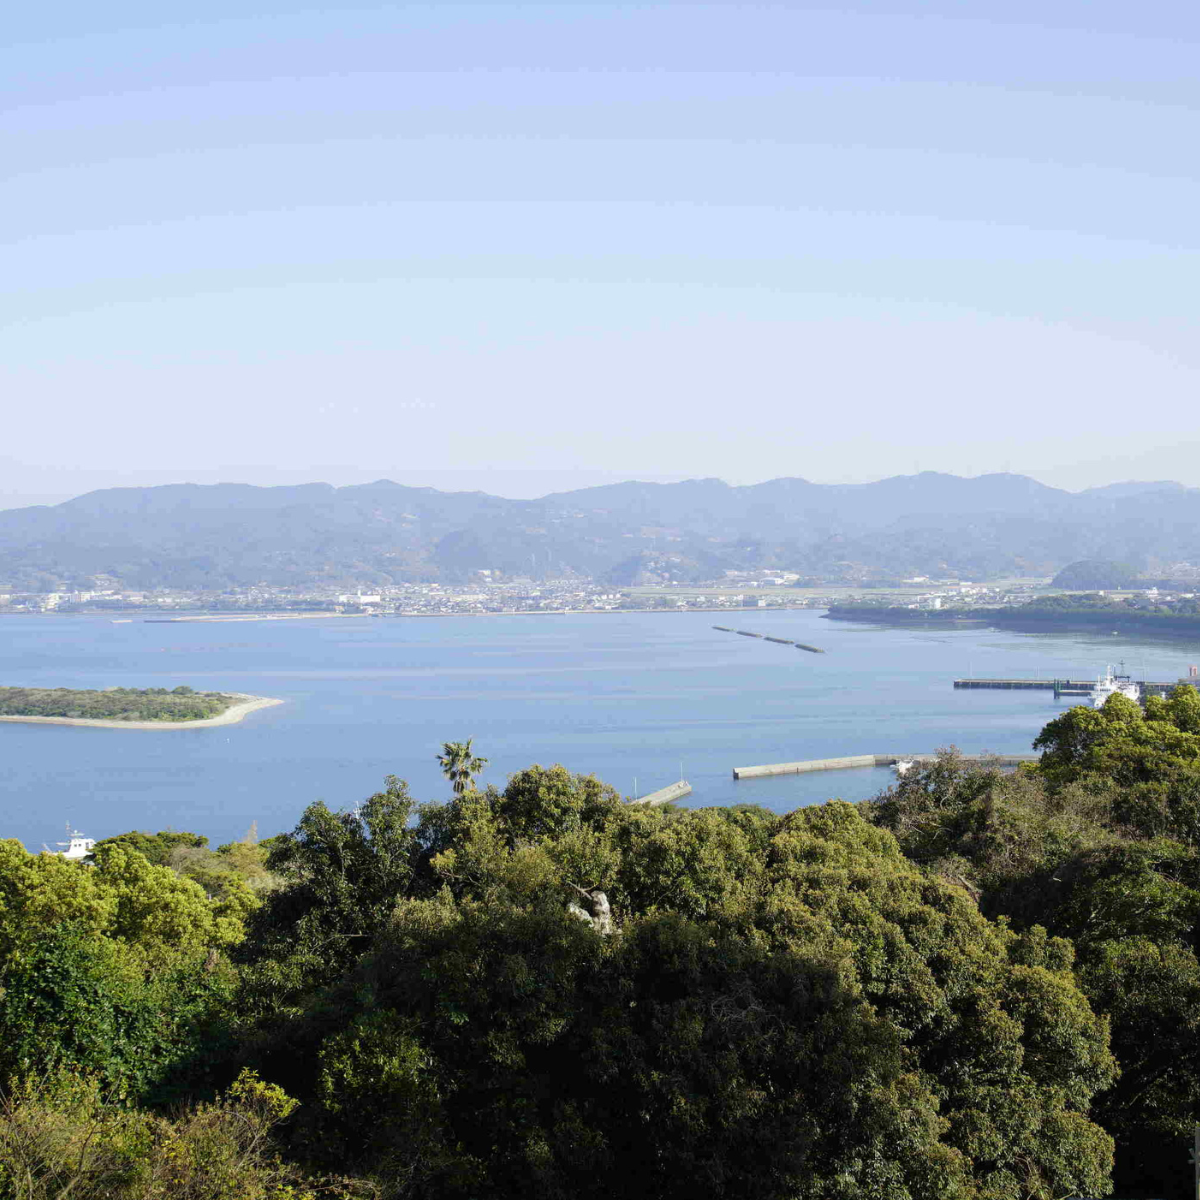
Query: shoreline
(391, 616)
(231, 716)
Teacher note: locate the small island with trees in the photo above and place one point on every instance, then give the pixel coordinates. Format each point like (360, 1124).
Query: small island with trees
(128, 708)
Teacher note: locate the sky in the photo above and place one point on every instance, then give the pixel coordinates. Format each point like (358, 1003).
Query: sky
(522, 248)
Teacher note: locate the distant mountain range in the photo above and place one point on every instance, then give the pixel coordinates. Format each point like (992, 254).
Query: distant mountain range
(226, 535)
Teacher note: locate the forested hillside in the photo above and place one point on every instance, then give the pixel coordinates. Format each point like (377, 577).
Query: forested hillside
(218, 536)
(979, 986)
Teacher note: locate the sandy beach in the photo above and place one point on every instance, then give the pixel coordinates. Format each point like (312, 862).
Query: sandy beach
(231, 716)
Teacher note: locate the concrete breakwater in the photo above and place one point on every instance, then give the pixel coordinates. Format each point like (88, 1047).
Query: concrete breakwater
(675, 791)
(872, 760)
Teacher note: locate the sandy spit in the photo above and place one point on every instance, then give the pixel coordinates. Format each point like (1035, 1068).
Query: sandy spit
(231, 716)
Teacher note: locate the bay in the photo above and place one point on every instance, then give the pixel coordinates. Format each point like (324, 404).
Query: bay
(631, 697)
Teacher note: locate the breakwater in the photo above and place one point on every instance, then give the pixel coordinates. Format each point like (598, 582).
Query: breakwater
(778, 640)
(674, 791)
(852, 761)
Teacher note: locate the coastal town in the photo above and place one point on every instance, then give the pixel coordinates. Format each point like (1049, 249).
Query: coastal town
(736, 590)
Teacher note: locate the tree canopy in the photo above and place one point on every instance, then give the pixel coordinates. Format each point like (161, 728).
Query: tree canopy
(783, 1007)
(1097, 844)
(114, 704)
(1090, 574)
(980, 985)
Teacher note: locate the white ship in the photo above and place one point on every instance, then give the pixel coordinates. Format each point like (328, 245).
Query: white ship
(1113, 684)
(76, 847)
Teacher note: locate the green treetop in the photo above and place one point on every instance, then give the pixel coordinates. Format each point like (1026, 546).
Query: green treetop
(460, 765)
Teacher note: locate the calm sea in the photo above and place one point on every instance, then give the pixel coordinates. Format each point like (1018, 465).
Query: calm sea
(634, 698)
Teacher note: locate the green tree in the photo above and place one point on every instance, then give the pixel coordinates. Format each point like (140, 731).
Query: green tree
(460, 765)
(1152, 757)
(42, 892)
(156, 848)
(342, 873)
(84, 1003)
(782, 1008)
(698, 864)
(116, 968)
(64, 1137)
(1054, 847)
(163, 914)
(545, 802)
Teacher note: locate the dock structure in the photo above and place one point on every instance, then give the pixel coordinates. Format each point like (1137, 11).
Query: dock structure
(675, 791)
(873, 760)
(1046, 684)
(1065, 687)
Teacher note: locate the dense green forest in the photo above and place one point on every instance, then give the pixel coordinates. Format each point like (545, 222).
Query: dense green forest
(114, 704)
(979, 985)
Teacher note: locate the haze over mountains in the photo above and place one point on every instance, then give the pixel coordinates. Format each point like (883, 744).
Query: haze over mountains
(236, 535)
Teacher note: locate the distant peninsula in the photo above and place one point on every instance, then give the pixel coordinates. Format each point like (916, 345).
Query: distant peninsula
(128, 708)
(1064, 613)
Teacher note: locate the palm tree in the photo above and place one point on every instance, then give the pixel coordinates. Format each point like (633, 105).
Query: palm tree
(459, 765)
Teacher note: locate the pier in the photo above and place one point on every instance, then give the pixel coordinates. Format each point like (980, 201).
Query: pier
(674, 791)
(1067, 687)
(874, 760)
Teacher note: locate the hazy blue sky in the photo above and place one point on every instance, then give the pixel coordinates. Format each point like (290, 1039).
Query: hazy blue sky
(525, 247)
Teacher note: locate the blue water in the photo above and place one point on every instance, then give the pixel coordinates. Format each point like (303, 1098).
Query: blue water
(626, 696)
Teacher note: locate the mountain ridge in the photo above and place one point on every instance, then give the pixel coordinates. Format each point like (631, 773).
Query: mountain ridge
(222, 535)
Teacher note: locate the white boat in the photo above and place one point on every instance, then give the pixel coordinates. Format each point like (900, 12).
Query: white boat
(76, 847)
(1114, 684)
(903, 766)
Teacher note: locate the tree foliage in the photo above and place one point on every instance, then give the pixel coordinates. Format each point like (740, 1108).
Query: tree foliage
(343, 873)
(782, 1008)
(982, 985)
(460, 765)
(1097, 844)
(156, 848)
(63, 1137)
(117, 967)
(1090, 574)
(114, 704)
